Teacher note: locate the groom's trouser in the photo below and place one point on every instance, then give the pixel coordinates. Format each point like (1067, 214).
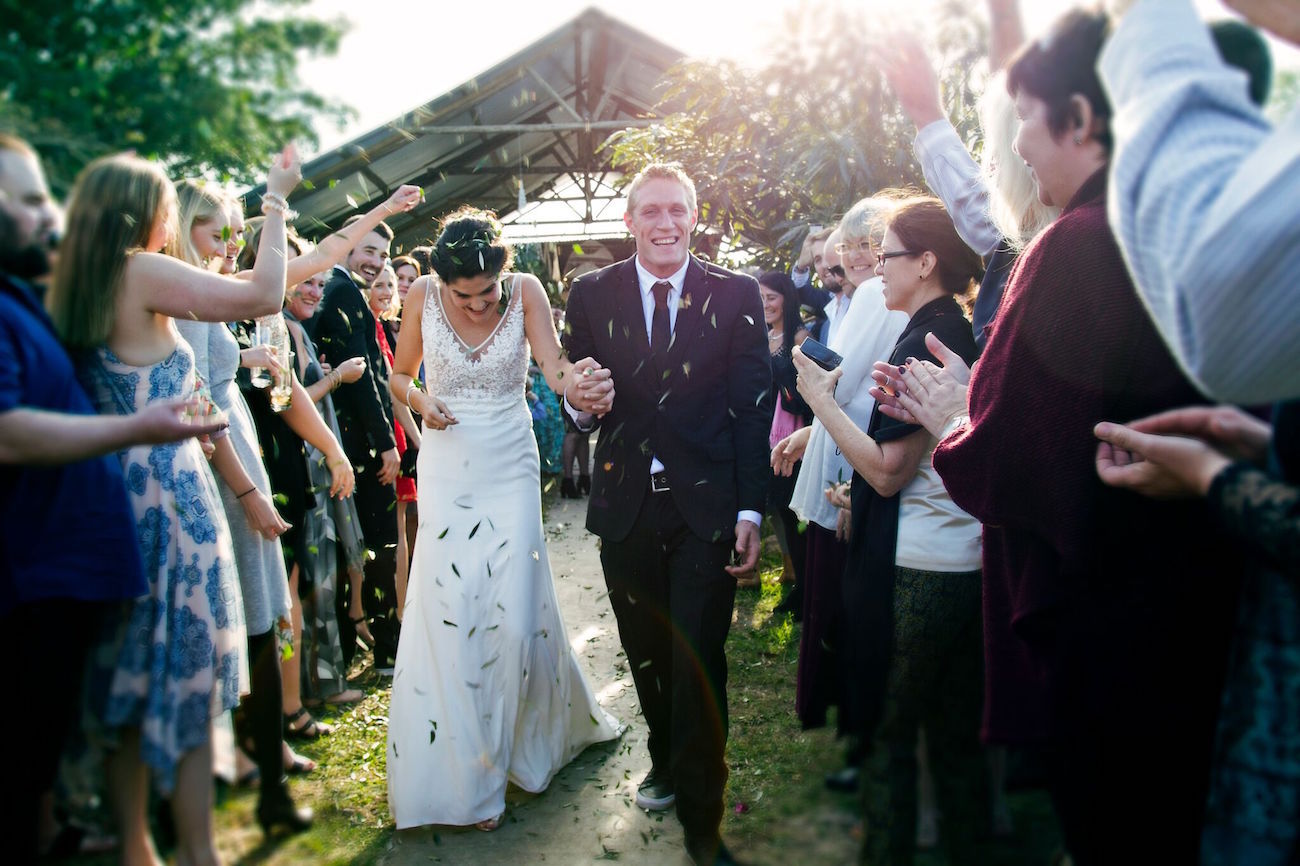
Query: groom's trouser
(673, 602)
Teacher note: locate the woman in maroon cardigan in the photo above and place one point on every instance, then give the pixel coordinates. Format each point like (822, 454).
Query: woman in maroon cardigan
(1106, 615)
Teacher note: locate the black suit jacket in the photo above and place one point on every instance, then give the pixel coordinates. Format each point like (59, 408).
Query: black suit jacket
(705, 412)
(344, 328)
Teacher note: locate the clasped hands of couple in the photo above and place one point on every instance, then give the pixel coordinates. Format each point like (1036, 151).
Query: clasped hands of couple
(590, 391)
(1173, 454)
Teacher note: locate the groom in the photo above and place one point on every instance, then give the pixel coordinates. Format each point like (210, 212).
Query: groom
(681, 473)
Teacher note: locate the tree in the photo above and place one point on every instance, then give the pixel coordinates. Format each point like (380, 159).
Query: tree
(207, 86)
(802, 137)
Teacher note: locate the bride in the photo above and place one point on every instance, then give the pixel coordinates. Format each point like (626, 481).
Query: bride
(486, 689)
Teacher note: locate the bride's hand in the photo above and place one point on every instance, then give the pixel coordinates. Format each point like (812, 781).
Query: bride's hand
(591, 388)
(435, 413)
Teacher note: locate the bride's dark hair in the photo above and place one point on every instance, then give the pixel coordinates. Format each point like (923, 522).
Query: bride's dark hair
(470, 244)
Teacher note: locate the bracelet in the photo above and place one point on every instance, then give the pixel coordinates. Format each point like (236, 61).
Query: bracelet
(336, 379)
(407, 396)
(246, 492)
(272, 203)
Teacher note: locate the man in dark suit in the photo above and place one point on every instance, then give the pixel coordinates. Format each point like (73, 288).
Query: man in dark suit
(344, 328)
(681, 473)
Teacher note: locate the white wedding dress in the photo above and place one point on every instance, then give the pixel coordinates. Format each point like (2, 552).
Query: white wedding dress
(486, 688)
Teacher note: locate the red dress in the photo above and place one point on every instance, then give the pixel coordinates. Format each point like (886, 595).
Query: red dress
(405, 486)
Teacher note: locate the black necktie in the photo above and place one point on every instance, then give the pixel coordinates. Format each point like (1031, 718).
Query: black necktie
(660, 331)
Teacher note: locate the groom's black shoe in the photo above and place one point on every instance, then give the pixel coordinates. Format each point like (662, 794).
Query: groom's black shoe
(655, 793)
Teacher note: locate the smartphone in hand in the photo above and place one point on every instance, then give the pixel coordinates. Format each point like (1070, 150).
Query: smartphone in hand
(820, 355)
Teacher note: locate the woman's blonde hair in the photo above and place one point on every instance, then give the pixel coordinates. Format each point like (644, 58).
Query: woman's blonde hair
(394, 308)
(199, 204)
(114, 206)
(1014, 205)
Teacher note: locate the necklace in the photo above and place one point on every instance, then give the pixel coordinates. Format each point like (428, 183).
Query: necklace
(774, 336)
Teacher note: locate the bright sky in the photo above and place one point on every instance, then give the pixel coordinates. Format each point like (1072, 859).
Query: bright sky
(397, 54)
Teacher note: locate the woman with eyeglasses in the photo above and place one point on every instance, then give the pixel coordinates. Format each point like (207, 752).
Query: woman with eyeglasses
(912, 580)
(1107, 616)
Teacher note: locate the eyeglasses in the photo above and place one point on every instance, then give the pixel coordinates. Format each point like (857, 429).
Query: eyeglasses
(859, 247)
(837, 270)
(882, 257)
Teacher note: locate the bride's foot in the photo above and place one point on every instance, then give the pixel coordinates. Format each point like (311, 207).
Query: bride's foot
(490, 824)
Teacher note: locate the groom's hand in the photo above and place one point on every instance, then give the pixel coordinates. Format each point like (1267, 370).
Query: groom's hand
(591, 388)
(746, 549)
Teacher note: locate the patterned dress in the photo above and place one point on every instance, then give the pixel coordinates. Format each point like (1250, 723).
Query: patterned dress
(258, 560)
(180, 657)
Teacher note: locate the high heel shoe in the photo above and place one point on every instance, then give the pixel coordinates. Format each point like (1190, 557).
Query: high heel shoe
(584, 484)
(276, 810)
(567, 489)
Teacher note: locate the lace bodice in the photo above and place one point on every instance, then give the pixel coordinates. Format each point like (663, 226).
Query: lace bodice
(495, 369)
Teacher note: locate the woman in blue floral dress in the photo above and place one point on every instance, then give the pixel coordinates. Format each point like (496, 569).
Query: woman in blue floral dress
(177, 660)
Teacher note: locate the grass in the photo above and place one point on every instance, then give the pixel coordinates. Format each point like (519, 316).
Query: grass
(777, 806)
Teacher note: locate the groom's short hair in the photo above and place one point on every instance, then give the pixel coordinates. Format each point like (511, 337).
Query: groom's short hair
(661, 171)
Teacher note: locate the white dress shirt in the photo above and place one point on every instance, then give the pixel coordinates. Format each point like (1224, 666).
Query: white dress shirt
(1205, 203)
(954, 176)
(835, 310)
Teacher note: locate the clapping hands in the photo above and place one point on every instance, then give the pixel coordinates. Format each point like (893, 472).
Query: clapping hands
(920, 392)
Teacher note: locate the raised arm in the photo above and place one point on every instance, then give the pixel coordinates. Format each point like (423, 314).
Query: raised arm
(1205, 203)
(335, 246)
(1006, 32)
(162, 284)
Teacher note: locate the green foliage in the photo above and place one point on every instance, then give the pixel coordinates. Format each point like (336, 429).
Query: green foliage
(208, 86)
(805, 134)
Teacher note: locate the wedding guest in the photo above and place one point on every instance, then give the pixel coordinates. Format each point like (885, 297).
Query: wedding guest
(1247, 472)
(385, 305)
(912, 582)
(180, 659)
(785, 330)
(866, 333)
(331, 526)
(1093, 645)
(248, 497)
(58, 467)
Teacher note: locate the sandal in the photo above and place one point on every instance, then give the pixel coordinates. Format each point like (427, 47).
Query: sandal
(308, 730)
(363, 631)
(490, 824)
(301, 765)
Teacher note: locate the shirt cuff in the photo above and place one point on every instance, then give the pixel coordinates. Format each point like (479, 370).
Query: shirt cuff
(800, 277)
(752, 516)
(585, 420)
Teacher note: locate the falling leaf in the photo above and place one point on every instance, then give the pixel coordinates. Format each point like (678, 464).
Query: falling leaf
(450, 623)
(749, 318)
(455, 570)
(487, 664)
(474, 531)
(471, 631)
(443, 534)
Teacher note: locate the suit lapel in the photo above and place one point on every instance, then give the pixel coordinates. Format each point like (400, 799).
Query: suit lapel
(629, 313)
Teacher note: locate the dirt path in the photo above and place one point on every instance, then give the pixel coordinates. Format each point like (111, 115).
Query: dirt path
(587, 814)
